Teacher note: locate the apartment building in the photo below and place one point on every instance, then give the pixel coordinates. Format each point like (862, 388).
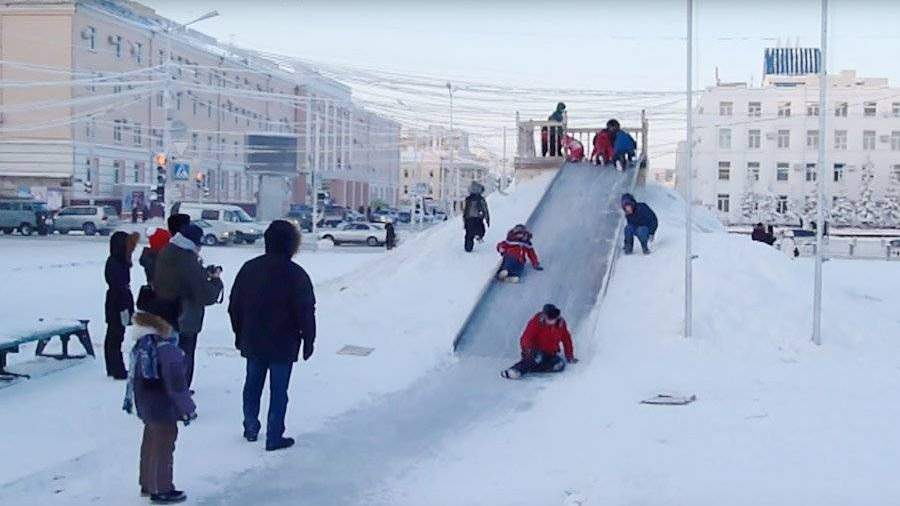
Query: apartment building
(756, 148)
(87, 87)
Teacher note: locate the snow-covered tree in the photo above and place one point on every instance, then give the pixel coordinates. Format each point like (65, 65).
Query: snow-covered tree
(843, 211)
(890, 207)
(867, 212)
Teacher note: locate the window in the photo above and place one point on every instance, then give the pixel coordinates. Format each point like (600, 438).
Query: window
(870, 109)
(117, 88)
(840, 110)
(753, 171)
(723, 202)
(178, 101)
(895, 174)
(158, 135)
(138, 52)
(90, 34)
(812, 139)
(209, 144)
(209, 214)
(209, 109)
(137, 134)
(724, 138)
(116, 40)
(162, 56)
(753, 139)
(90, 128)
(160, 99)
(895, 140)
(405, 190)
(784, 139)
(868, 140)
(838, 172)
(117, 130)
(405, 173)
(782, 172)
(194, 105)
(784, 109)
(726, 108)
(754, 109)
(138, 169)
(781, 204)
(895, 109)
(811, 173)
(117, 170)
(812, 109)
(235, 149)
(840, 140)
(194, 141)
(724, 171)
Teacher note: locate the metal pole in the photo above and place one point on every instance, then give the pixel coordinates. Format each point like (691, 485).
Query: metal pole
(820, 182)
(314, 184)
(452, 150)
(688, 190)
(503, 169)
(167, 118)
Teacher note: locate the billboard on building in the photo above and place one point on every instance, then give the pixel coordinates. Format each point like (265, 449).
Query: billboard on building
(271, 154)
(792, 61)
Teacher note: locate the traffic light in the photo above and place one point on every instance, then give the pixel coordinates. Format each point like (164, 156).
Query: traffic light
(88, 186)
(161, 180)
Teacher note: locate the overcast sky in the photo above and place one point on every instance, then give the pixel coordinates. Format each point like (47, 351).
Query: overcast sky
(622, 45)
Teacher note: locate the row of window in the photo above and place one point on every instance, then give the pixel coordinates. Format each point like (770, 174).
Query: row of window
(783, 139)
(783, 170)
(723, 203)
(784, 109)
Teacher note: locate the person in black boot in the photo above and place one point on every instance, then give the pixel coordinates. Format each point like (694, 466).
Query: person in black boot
(119, 304)
(475, 215)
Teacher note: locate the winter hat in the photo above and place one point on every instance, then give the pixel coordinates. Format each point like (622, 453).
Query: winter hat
(282, 238)
(561, 106)
(628, 199)
(193, 232)
(550, 311)
(176, 222)
(118, 247)
(159, 239)
(476, 188)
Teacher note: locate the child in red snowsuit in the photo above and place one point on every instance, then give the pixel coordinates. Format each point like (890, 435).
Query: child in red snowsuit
(540, 342)
(603, 148)
(573, 149)
(516, 249)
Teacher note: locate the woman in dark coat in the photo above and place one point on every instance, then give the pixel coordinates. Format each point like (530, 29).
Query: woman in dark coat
(119, 306)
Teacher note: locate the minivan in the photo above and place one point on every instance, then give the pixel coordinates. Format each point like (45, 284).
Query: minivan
(25, 215)
(242, 226)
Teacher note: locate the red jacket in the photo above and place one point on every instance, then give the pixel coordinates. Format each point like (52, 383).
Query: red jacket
(602, 146)
(546, 338)
(520, 250)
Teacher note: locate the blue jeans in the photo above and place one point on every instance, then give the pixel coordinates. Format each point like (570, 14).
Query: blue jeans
(279, 378)
(512, 266)
(642, 233)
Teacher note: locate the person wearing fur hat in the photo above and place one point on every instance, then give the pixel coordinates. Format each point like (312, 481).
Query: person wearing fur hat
(540, 343)
(475, 215)
(180, 280)
(119, 303)
(158, 388)
(515, 250)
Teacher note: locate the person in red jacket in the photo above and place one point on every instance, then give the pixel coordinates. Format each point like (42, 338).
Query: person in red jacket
(515, 250)
(603, 148)
(540, 345)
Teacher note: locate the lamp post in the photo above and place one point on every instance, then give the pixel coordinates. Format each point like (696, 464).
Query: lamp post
(452, 149)
(820, 183)
(689, 176)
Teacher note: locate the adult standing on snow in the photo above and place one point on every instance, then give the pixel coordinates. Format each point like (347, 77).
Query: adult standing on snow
(540, 343)
(642, 223)
(181, 279)
(551, 137)
(271, 323)
(475, 215)
(119, 303)
(390, 236)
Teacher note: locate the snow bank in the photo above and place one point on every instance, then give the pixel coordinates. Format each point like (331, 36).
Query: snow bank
(407, 304)
(777, 420)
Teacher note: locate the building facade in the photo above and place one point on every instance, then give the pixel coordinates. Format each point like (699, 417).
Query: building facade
(88, 84)
(756, 150)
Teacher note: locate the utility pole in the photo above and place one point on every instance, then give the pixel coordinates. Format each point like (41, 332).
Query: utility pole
(820, 182)
(314, 182)
(452, 149)
(689, 176)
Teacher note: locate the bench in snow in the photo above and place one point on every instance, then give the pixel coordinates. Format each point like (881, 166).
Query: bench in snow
(42, 333)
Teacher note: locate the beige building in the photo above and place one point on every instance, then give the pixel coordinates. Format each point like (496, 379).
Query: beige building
(86, 87)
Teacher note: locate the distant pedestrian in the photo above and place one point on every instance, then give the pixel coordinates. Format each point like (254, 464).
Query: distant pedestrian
(540, 343)
(145, 214)
(272, 322)
(159, 387)
(134, 213)
(119, 304)
(761, 235)
(179, 278)
(475, 215)
(642, 223)
(390, 237)
(551, 137)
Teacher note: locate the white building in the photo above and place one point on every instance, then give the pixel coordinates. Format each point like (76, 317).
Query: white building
(756, 150)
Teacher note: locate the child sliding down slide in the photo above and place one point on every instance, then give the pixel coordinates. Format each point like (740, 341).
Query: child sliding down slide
(516, 249)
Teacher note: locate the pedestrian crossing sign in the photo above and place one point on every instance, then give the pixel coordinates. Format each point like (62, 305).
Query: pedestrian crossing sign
(181, 171)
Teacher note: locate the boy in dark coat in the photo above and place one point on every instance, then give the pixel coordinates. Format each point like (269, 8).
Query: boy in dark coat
(642, 223)
(540, 343)
(515, 250)
(119, 304)
(623, 144)
(159, 387)
(475, 215)
(272, 322)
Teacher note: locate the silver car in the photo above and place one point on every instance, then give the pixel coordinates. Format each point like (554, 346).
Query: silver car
(88, 219)
(214, 234)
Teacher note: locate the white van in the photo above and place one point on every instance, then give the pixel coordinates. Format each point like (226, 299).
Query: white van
(242, 226)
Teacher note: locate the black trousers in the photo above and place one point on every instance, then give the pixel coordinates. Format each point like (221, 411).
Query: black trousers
(112, 350)
(188, 344)
(474, 229)
(540, 362)
(157, 457)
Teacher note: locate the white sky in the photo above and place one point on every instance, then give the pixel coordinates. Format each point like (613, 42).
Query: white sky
(622, 45)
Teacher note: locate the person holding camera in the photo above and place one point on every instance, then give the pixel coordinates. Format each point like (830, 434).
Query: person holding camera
(272, 322)
(181, 280)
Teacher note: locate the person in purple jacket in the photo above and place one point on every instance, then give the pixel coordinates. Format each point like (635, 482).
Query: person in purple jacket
(158, 385)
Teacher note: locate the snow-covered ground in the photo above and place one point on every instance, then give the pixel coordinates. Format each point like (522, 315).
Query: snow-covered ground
(777, 420)
(71, 441)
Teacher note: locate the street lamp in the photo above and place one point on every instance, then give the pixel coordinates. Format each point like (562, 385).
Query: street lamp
(452, 140)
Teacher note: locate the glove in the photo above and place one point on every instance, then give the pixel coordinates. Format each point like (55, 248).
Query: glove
(308, 349)
(538, 267)
(127, 406)
(187, 419)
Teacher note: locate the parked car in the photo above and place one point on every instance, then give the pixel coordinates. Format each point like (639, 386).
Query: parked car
(356, 233)
(385, 216)
(88, 219)
(404, 216)
(242, 227)
(25, 215)
(214, 234)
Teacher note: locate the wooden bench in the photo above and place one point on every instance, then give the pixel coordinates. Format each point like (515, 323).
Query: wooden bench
(42, 333)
